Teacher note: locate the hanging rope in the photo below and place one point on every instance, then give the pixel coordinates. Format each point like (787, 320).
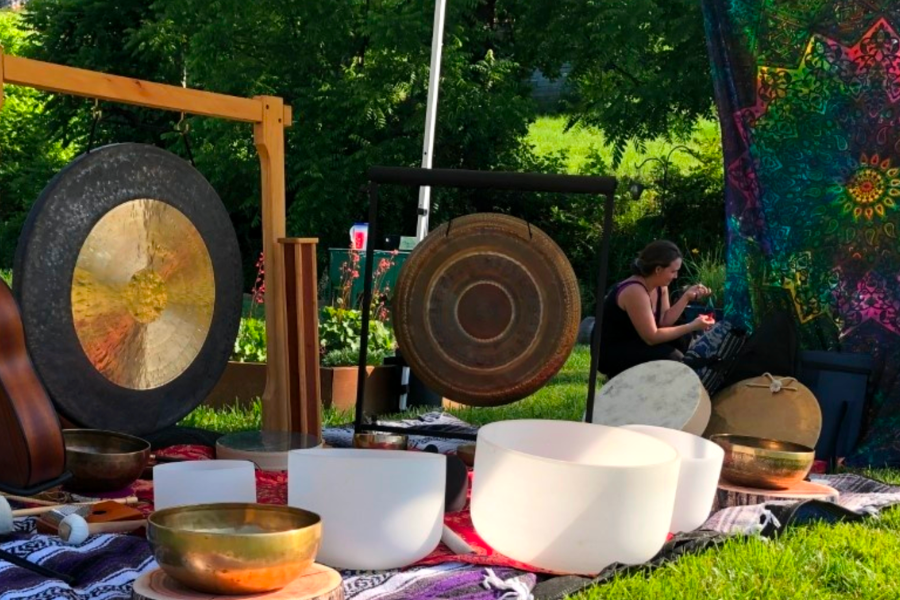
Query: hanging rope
(183, 127)
(97, 114)
(775, 385)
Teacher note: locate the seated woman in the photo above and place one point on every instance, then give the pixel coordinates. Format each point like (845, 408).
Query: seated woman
(638, 320)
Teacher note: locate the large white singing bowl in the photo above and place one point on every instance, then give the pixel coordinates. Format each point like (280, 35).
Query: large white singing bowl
(572, 497)
(380, 509)
(701, 465)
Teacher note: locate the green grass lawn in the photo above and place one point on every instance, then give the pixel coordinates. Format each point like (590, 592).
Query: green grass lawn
(847, 561)
(548, 135)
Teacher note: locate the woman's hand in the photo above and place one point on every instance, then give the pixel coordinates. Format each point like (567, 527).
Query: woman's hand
(695, 292)
(703, 323)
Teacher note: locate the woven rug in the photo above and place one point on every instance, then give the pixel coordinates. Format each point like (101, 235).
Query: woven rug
(106, 565)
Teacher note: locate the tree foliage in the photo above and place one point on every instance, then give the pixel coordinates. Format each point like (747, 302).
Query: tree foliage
(110, 36)
(639, 68)
(356, 75)
(28, 155)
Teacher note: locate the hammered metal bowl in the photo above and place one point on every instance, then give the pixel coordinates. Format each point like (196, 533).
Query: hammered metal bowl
(103, 461)
(466, 453)
(380, 441)
(235, 548)
(763, 463)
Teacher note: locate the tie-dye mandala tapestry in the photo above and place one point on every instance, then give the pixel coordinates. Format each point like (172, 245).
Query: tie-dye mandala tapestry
(808, 93)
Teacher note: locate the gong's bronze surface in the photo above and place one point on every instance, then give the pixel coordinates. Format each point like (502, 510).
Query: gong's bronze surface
(486, 309)
(143, 284)
(128, 272)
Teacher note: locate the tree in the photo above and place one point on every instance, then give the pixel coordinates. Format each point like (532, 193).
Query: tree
(119, 37)
(28, 155)
(639, 68)
(356, 75)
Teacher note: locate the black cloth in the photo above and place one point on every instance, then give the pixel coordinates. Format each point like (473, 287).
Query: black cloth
(772, 348)
(621, 346)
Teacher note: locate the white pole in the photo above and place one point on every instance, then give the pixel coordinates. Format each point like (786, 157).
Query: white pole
(434, 84)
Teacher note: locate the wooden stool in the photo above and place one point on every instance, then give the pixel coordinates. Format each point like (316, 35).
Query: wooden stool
(317, 583)
(729, 494)
(268, 450)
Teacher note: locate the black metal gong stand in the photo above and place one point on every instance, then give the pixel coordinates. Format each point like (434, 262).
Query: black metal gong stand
(458, 178)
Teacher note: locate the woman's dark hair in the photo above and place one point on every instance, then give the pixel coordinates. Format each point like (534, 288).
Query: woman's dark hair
(660, 253)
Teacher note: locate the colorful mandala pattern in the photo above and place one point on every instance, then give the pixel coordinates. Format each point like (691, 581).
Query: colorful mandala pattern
(809, 98)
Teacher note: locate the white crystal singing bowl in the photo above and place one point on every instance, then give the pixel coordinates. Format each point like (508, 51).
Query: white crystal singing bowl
(572, 497)
(698, 479)
(203, 482)
(380, 509)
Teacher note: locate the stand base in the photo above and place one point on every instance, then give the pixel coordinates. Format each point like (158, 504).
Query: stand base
(36, 489)
(268, 450)
(729, 494)
(317, 583)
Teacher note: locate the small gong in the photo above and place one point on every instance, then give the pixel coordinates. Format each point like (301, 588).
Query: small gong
(129, 276)
(486, 309)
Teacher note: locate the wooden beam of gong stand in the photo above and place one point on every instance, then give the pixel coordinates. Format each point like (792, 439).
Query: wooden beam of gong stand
(269, 116)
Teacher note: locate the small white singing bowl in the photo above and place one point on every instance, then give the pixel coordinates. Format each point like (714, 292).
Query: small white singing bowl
(572, 497)
(203, 482)
(701, 465)
(380, 509)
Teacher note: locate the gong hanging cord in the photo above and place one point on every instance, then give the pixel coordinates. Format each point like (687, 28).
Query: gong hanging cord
(183, 128)
(775, 385)
(97, 113)
(450, 225)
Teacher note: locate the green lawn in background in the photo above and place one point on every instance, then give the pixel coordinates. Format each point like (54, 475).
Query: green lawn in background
(548, 135)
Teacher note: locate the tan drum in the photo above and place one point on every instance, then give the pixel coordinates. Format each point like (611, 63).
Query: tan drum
(318, 583)
(770, 407)
(663, 393)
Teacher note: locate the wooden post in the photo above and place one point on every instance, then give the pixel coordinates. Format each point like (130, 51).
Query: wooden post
(269, 139)
(269, 116)
(301, 291)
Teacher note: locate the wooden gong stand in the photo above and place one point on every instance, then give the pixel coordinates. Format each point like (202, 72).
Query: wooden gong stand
(286, 405)
(459, 178)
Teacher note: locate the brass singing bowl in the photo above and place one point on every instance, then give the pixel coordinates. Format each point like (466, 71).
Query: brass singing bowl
(103, 461)
(236, 548)
(762, 463)
(466, 453)
(380, 441)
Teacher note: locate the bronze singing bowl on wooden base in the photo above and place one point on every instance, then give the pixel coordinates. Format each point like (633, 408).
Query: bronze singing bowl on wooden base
(380, 441)
(466, 453)
(103, 461)
(763, 463)
(234, 548)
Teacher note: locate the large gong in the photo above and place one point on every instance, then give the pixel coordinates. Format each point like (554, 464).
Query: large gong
(486, 309)
(129, 278)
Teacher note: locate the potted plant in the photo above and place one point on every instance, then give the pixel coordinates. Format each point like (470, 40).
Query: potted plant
(709, 269)
(244, 378)
(340, 326)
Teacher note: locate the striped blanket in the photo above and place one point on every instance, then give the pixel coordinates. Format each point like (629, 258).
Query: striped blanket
(106, 565)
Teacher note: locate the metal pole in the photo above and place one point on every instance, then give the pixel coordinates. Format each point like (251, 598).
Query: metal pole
(362, 374)
(434, 84)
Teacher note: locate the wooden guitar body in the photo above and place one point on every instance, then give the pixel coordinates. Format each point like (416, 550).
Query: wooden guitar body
(32, 450)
